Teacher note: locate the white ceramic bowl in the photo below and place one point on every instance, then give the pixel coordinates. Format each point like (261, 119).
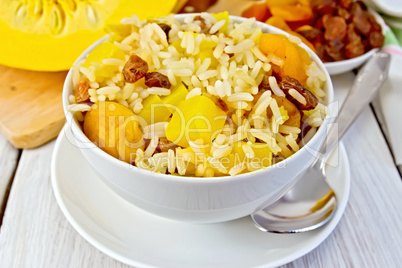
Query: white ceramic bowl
(343, 66)
(201, 200)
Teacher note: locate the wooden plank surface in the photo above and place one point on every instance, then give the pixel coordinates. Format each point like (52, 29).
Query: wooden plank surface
(8, 163)
(370, 231)
(36, 234)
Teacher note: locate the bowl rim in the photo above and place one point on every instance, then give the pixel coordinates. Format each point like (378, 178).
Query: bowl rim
(72, 122)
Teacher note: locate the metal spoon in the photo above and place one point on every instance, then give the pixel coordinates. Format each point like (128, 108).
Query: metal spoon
(311, 202)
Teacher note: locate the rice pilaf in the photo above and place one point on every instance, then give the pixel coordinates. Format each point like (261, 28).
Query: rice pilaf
(212, 57)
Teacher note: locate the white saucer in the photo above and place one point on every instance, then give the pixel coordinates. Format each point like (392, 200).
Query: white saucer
(141, 239)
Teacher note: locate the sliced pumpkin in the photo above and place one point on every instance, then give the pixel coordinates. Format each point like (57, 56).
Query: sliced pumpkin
(47, 35)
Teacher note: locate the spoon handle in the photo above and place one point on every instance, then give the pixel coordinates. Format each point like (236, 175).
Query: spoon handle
(365, 87)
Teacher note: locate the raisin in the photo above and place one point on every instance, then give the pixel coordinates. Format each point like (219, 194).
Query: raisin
(354, 47)
(277, 158)
(221, 104)
(290, 83)
(333, 50)
(135, 69)
(264, 85)
(361, 18)
(345, 3)
(201, 23)
(310, 34)
(166, 28)
(376, 39)
(375, 26)
(344, 14)
(164, 145)
(304, 127)
(335, 27)
(81, 92)
(156, 79)
(291, 109)
(323, 7)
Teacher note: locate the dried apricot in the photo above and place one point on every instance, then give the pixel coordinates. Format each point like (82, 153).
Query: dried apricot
(113, 128)
(295, 59)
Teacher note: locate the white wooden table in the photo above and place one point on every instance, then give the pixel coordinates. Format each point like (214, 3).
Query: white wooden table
(35, 233)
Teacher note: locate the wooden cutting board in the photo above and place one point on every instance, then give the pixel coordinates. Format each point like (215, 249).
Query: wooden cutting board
(31, 112)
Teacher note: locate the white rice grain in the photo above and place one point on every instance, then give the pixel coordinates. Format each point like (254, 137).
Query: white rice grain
(161, 34)
(222, 151)
(308, 136)
(153, 134)
(295, 39)
(274, 86)
(171, 161)
(276, 113)
(219, 50)
(207, 74)
(216, 164)
(194, 92)
(138, 107)
(262, 103)
(160, 126)
(113, 61)
(285, 150)
(171, 77)
(151, 147)
(215, 28)
(220, 91)
(256, 69)
(246, 78)
(240, 47)
(78, 107)
(200, 170)
(289, 129)
(227, 88)
(237, 169)
(258, 53)
(291, 140)
(240, 97)
(203, 67)
(249, 59)
(297, 96)
(144, 94)
(248, 151)
(90, 75)
(124, 47)
(159, 91)
(183, 72)
(108, 90)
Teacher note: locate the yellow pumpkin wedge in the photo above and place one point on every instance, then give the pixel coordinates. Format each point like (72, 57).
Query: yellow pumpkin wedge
(47, 35)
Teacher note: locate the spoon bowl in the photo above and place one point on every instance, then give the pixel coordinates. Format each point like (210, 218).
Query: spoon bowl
(311, 202)
(308, 205)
